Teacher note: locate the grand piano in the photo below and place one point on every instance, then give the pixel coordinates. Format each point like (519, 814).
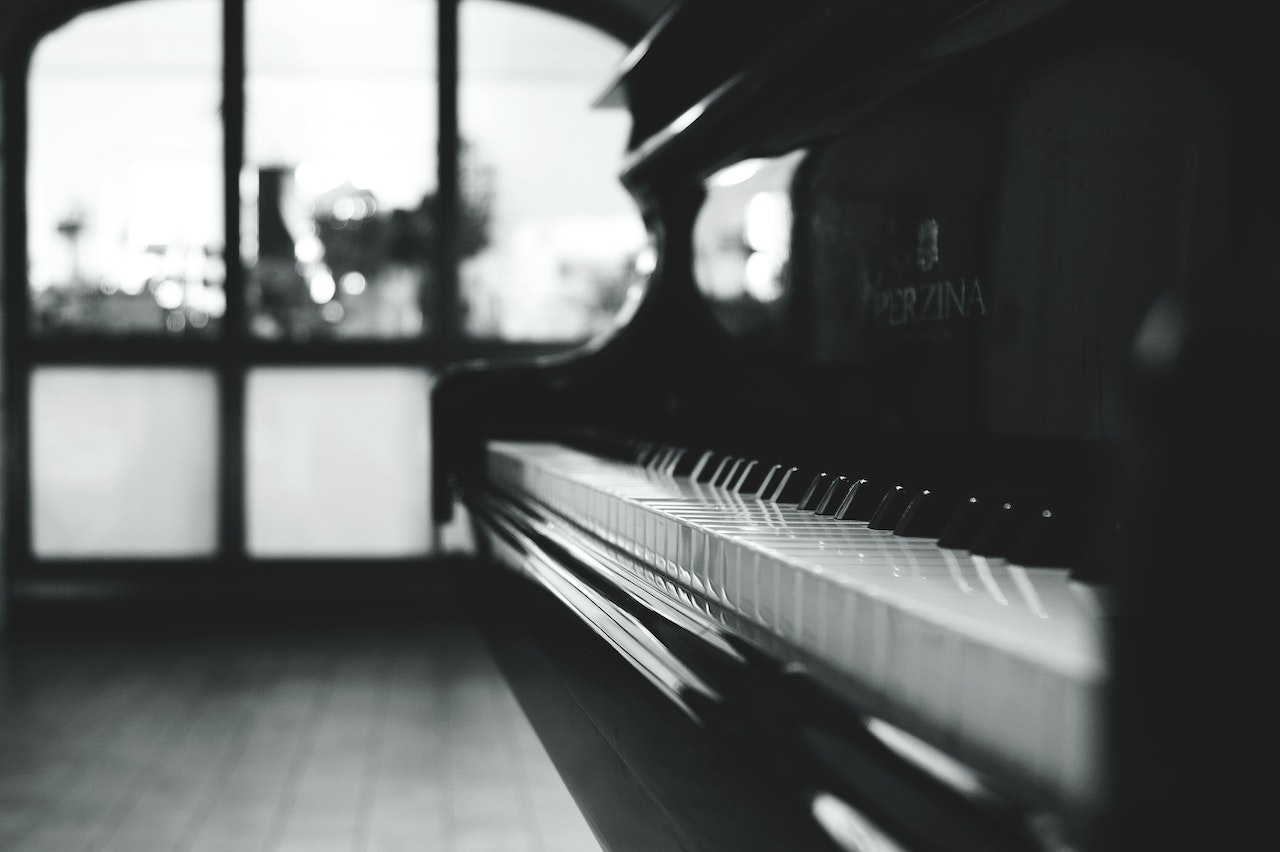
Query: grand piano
(921, 496)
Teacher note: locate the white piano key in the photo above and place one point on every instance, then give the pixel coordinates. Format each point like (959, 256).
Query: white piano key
(788, 595)
(766, 602)
(740, 577)
(713, 548)
(812, 593)
(683, 534)
(1003, 659)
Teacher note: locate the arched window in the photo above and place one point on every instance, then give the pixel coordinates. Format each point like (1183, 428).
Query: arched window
(252, 229)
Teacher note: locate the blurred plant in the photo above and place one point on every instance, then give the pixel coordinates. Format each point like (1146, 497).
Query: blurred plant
(70, 227)
(358, 236)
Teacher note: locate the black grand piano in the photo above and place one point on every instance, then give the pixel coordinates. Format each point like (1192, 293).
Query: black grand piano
(922, 497)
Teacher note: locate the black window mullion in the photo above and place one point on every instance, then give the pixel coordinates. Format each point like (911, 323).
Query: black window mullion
(125, 351)
(17, 437)
(232, 364)
(445, 306)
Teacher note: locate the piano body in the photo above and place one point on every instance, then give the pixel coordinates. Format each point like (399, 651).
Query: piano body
(916, 500)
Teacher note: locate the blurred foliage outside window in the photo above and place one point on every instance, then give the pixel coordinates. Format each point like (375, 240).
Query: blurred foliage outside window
(125, 220)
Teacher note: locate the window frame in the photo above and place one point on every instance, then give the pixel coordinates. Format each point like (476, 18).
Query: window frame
(235, 351)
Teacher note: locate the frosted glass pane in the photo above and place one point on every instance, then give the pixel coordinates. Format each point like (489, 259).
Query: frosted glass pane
(337, 462)
(123, 462)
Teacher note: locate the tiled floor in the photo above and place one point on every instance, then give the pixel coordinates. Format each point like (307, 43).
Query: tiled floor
(283, 733)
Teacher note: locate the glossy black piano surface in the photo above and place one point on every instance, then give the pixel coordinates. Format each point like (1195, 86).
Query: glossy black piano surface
(1014, 255)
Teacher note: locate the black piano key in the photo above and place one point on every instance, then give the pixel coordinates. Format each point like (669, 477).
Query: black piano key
(926, 515)
(677, 453)
(726, 474)
(966, 523)
(891, 508)
(736, 473)
(658, 461)
(641, 452)
(769, 482)
(659, 458)
(834, 496)
(688, 462)
(715, 468)
(722, 468)
(861, 502)
(814, 493)
(740, 473)
(1001, 530)
(791, 486)
(1090, 546)
(752, 479)
(705, 466)
(1050, 540)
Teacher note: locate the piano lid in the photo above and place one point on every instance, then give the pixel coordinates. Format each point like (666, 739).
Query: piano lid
(615, 94)
(693, 48)
(705, 93)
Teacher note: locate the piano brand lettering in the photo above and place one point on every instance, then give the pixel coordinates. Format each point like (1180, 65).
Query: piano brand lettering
(937, 301)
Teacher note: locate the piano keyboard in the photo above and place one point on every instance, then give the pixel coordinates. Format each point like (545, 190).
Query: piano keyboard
(998, 664)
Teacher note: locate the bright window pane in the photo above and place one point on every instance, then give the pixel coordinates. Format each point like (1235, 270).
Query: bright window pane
(123, 462)
(125, 212)
(337, 462)
(340, 128)
(554, 236)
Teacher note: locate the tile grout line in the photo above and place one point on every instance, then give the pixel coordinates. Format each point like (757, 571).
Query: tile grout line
(83, 765)
(216, 785)
(512, 742)
(373, 752)
(302, 756)
(173, 733)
